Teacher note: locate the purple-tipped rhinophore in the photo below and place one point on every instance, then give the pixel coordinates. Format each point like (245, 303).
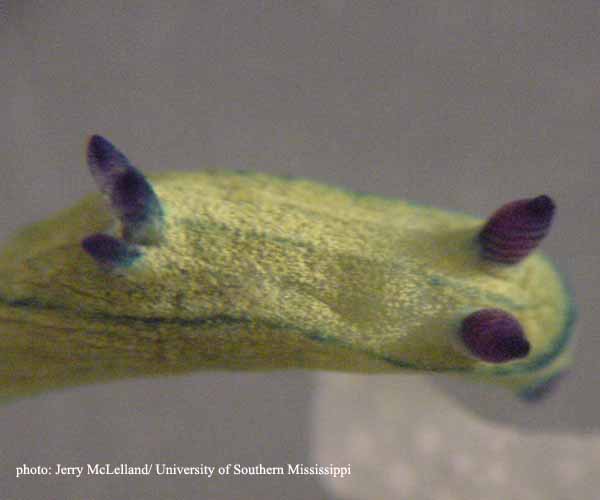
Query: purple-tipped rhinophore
(493, 335)
(131, 195)
(516, 229)
(110, 251)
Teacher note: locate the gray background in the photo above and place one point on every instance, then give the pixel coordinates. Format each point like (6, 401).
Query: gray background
(461, 104)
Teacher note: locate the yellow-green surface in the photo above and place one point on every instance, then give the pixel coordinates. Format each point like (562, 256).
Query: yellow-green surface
(258, 272)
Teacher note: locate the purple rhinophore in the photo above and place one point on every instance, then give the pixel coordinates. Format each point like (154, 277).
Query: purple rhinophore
(109, 250)
(131, 195)
(516, 229)
(493, 335)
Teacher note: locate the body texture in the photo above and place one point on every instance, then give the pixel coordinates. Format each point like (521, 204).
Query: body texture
(258, 272)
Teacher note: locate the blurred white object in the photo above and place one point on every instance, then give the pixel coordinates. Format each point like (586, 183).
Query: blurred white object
(405, 438)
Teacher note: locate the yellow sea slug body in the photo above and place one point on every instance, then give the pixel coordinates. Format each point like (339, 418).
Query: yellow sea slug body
(217, 270)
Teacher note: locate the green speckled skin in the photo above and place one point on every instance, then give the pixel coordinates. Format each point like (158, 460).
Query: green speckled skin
(257, 272)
